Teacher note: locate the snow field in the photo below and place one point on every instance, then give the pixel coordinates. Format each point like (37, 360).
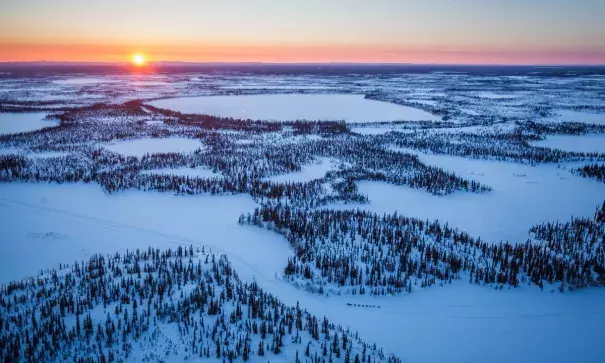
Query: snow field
(289, 107)
(199, 172)
(583, 144)
(48, 224)
(140, 147)
(89, 221)
(581, 116)
(12, 123)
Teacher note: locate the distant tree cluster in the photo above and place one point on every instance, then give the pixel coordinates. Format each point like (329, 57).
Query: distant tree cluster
(596, 171)
(151, 304)
(562, 128)
(505, 146)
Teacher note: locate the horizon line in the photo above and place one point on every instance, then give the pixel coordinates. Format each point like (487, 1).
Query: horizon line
(168, 62)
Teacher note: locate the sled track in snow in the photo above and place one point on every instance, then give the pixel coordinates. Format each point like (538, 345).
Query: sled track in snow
(182, 241)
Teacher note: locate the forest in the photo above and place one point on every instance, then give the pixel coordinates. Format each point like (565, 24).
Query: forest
(187, 301)
(358, 252)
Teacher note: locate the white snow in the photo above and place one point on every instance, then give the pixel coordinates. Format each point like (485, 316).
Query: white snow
(584, 143)
(84, 80)
(522, 196)
(140, 147)
(495, 96)
(380, 130)
(309, 172)
(12, 123)
(288, 107)
(10, 151)
(48, 154)
(147, 83)
(278, 87)
(199, 172)
(582, 116)
(425, 102)
(90, 221)
(371, 130)
(45, 224)
(33, 155)
(464, 323)
(476, 129)
(470, 112)
(48, 224)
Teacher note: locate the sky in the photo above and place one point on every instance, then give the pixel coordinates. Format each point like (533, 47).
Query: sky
(293, 31)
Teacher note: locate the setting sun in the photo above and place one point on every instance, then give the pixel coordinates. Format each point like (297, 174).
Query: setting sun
(138, 59)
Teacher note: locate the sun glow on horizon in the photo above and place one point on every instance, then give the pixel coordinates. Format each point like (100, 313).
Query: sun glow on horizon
(138, 59)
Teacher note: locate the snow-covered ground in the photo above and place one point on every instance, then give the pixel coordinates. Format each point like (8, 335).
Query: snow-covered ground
(12, 123)
(471, 112)
(48, 154)
(477, 129)
(288, 107)
(462, 323)
(10, 151)
(77, 81)
(33, 155)
(495, 96)
(198, 172)
(140, 147)
(379, 130)
(309, 172)
(425, 102)
(47, 224)
(371, 130)
(584, 143)
(278, 87)
(582, 116)
(522, 196)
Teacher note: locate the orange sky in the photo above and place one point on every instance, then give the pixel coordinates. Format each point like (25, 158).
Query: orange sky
(291, 54)
(378, 31)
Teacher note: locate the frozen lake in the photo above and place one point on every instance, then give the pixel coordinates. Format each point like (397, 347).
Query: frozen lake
(140, 147)
(12, 123)
(585, 143)
(289, 107)
(582, 116)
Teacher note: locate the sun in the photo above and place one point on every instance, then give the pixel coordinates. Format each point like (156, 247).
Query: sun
(139, 59)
